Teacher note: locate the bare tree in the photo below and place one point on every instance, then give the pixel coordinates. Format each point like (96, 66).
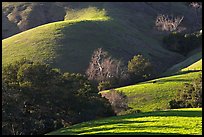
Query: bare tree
(196, 5)
(168, 23)
(103, 67)
(117, 99)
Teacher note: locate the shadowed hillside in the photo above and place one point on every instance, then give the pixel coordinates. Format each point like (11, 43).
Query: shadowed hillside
(47, 48)
(26, 15)
(155, 94)
(69, 44)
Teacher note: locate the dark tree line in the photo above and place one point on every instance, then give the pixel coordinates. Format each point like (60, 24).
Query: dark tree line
(182, 43)
(37, 99)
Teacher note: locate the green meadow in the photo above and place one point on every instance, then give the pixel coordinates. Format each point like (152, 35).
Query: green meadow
(170, 122)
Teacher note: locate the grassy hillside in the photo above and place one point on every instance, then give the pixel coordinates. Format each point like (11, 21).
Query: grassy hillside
(149, 96)
(170, 122)
(70, 44)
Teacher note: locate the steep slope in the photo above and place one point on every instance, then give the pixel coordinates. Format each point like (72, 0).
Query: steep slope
(171, 122)
(193, 62)
(69, 44)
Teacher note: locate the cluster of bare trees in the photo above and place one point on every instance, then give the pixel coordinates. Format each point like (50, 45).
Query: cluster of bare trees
(171, 23)
(196, 5)
(110, 73)
(168, 23)
(103, 67)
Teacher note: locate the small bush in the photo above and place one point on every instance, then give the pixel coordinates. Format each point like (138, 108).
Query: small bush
(117, 99)
(190, 95)
(157, 109)
(139, 68)
(130, 111)
(104, 85)
(136, 111)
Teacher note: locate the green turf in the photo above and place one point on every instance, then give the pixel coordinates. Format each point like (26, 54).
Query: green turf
(170, 122)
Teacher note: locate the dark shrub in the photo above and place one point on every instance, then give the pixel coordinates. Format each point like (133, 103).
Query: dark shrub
(182, 43)
(190, 95)
(104, 85)
(139, 69)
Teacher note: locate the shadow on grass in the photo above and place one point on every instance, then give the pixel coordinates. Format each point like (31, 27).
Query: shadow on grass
(169, 80)
(178, 113)
(172, 80)
(181, 73)
(104, 127)
(106, 130)
(137, 133)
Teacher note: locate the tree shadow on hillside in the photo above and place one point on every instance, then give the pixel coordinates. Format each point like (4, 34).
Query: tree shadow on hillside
(123, 122)
(97, 130)
(173, 80)
(181, 73)
(137, 133)
(169, 80)
(106, 130)
(178, 113)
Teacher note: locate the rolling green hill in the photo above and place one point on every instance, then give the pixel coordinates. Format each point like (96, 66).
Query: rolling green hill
(65, 35)
(170, 122)
(122, 31)
(150, 96)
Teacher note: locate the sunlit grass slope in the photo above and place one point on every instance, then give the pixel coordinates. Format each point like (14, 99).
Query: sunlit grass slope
(64, 44)
(171, 122)
(68, 45)
(149, 96)
(156, 94)
(90, 13)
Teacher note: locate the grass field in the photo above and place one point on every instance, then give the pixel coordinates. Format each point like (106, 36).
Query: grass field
(170, 122)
